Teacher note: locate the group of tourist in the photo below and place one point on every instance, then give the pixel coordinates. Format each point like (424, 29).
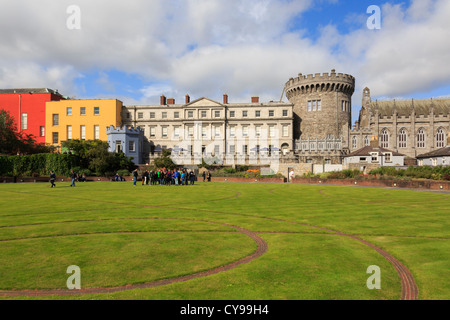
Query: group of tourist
(168, 177)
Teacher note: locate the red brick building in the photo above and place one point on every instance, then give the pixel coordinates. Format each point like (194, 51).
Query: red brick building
(27, 106)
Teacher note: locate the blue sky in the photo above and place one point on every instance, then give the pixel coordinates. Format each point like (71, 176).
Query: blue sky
(138, 51)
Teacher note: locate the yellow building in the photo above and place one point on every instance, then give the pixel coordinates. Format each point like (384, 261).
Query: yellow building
(81, 119)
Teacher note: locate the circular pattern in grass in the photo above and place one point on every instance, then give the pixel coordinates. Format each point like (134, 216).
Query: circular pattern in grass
(118, 259)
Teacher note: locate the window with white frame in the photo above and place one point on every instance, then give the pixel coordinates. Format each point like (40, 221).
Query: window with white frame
(384, 138)
(440, 138)
(258, 131)
(232, 149)
(176, 132)
(191, 131)
(245, 131)
(42, 131)
(421, 138)
(152, 132)
(366, 141)
(285, 113)
(310, 105)
(24, 124)
(83, 132)
(69, 111)
(374, 156)
(232, 131)
(96, 132)
(244, 114)
(190, 114)
(257, 114)
(96, 111)
(271, 113)
(164, 115)
(388, 157)
(55, 119)
(232, 114)
(176, 115)
(272, 131)
(216, 149)
(140, 115)
(217, 131)
(204, 113)
(354, 142)
(131, 146)
(402, 138)
(164, 132)
(82, 111)
(69, 132)
(217, 114)
(204, 132)
(152, 115)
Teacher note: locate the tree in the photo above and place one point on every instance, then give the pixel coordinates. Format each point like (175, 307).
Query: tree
(165, 161)
(14, 142)
(94, 155)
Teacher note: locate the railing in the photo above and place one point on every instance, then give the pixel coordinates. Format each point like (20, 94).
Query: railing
(310, 145)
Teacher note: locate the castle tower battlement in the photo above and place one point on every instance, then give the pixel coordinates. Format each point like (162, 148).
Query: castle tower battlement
(322, 105)
(124, 130)
(318, 82)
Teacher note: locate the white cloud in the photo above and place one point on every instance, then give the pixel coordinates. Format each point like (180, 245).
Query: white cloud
(207, 48)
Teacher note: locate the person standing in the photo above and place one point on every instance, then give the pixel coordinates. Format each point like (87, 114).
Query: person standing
(73, 175)
(291, 175)
(204, 176)
(135, 176)
(209, 176)
(52, 178)
(192, 177)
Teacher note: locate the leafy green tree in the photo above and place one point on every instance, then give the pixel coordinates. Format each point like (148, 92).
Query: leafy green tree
(14, 142)
(94, 155)
(165, 161)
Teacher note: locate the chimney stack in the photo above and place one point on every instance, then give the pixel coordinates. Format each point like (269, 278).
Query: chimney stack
(255, 99)
(188, 99)
(225, 99)
(374, 142)
(171, 101)
(163, 100)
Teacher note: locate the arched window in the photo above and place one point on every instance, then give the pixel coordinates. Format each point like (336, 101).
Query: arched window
(402, 138)
(421, 138)
(440, 138)
(354, 142)
(366, 141)
(384, 138)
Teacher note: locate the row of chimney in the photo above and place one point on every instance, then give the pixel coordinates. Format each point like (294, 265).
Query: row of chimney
(171, 101)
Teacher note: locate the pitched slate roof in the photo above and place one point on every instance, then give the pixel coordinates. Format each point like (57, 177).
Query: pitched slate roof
(405, 107)
(368, 149)
(436, 153)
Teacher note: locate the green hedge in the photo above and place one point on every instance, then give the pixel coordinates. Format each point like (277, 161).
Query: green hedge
(37, 164)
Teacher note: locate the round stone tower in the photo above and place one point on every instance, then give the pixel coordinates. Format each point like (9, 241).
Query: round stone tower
(322, 105)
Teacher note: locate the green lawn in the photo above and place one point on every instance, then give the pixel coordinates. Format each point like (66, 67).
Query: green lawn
(121, 235)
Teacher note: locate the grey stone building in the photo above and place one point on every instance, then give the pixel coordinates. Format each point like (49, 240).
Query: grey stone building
(322, 106)
(410, 127)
